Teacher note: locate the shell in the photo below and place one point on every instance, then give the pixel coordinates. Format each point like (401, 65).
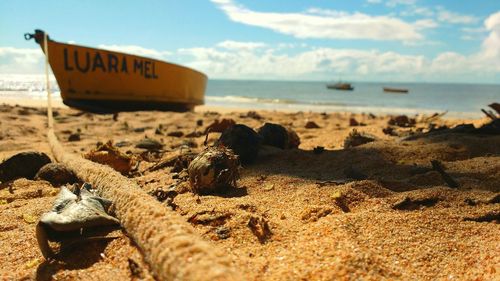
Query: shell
(70, 212)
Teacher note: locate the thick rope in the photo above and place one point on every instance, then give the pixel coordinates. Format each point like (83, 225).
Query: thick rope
(169, 244)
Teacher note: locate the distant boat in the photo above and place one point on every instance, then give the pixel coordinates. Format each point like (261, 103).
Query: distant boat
(395, 90)
(340, 86)
(101, 80)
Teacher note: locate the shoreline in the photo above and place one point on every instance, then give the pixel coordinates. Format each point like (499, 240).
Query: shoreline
(225, 108)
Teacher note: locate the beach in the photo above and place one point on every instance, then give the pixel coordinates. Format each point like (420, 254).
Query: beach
(376, 211)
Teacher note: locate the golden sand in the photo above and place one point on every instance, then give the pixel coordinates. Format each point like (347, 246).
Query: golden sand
(401, 222)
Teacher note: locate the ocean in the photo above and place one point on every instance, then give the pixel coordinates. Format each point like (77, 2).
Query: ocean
(460, 100)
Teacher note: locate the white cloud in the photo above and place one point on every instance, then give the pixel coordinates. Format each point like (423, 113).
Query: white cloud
(394, 3)
(21, 60)
(258, 60)
(234, 45)
(417, 11)
(491, 45)
(444, 15)
(473, 33)
(426, 23)
(323, 63)
(326, 24)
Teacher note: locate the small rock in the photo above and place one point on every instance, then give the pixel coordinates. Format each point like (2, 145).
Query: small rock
(194, 134)
(123, 143)
(353, 122)
(278, 136)
(293, 139)
(355, 138)
(315, 213)
(268, 187)
(318, 149)
(199, 122)
(74, 137)
(251, 114)
(243, 140)
(223, 232)
(260, 228)
(220, 126)
(22, 165)
(176, 134)
(162, 195)
(149, 144)
(389, 131)
(402, 121)
(311, 125)
(57, 174)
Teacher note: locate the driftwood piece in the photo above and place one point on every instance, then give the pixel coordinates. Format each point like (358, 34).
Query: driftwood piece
(495, 106)
(489, 114)
(434, 116)
(438, 167)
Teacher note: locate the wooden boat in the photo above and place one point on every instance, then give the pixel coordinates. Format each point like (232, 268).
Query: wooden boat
(395, 90)
(106, 81)
(340, 86)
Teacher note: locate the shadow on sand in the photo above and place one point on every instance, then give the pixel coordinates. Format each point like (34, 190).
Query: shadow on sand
(398, 166)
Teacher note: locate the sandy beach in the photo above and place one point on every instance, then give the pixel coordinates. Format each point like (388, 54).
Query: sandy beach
(377, 211)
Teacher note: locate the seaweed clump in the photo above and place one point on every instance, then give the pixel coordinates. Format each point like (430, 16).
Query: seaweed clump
(109, 155)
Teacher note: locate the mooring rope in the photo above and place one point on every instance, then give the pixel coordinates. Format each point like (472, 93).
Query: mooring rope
(169, 244)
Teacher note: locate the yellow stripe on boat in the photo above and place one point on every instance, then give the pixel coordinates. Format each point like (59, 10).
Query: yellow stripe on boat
(112, 79)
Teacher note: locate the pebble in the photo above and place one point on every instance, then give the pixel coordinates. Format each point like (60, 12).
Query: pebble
(355, 139)
(57, 174)
(311, 125)
(243, 140)
(278, 136)
(149, 144)
(23, 165)
(74, 137)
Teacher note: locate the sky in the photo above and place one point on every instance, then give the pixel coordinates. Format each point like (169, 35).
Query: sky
(356, 40)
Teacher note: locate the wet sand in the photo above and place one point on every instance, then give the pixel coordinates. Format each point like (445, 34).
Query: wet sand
(375, 211)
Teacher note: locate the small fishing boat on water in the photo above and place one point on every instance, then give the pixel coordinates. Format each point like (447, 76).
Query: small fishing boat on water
(106, 81)
(340, 86)
(395, 90)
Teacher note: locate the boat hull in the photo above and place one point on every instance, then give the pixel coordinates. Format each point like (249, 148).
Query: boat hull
(395, 90)
(341, 87)
(90, 77)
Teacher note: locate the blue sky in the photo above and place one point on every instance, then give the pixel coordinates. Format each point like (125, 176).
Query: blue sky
(365, 40)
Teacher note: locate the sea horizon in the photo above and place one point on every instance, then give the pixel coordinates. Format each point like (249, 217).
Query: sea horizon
(461, 100)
